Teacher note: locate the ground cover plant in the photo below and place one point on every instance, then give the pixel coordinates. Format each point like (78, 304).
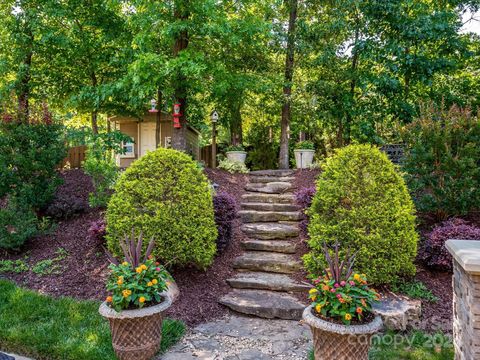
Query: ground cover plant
(415, 290)
(60, 329)
(168, 198)
(362, 202)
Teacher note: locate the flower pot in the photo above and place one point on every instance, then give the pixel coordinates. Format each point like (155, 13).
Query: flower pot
(333, 341)
(238, 156)
(136, 334)
(304, 158)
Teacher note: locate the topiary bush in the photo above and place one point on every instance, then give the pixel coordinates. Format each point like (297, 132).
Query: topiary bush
(167, 197)
(433, 251)
(225, 207)
(363, 202)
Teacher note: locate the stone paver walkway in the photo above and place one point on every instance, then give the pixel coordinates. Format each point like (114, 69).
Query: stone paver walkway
(263, 285)
(244, 338)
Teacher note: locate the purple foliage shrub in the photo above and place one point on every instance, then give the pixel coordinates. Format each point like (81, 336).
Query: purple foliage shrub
(225, 209)
(71, 198)
(434, 253)
(97, 229)
(304, 198)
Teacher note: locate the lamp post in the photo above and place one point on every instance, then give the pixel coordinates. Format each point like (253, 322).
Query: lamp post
(214, 117)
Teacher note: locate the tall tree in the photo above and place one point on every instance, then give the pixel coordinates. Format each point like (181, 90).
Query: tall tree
(287, 86)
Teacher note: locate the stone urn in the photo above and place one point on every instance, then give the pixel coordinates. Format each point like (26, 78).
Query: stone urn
(136, 334)
(304, 158)
(332, 341)
(237, 156)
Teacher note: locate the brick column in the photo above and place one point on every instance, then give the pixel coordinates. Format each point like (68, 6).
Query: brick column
(466, 298)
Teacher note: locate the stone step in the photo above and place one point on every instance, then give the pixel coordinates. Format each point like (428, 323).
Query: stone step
(280, 246)
(252, 216)
(270, 188)
(270, 231)
(269, 207)
(267, 179)
(265, 304)
(266, 281)
(276, 173)
(267, 261)
(254, 197)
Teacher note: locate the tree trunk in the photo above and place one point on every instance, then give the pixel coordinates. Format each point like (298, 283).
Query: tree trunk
(158, 118)
(93, 77)
(236, 131)
(179, 136)
(25, 77)
(287, 87)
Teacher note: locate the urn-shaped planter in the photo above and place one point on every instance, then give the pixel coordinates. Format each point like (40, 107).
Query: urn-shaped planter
(304, 158)
(136, 334)
(332, 341)
(238, 156)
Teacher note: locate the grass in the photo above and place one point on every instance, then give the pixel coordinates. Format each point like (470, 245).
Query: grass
(45, 328)
(415, 290)
(414, 346)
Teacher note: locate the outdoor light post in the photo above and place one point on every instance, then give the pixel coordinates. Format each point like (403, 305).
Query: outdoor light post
(214, 117)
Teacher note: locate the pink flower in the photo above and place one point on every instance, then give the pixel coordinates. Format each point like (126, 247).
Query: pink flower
(343, 283)
(158, 269)
(352, 283)
(332, 290)
(339, 296)
(337, 286)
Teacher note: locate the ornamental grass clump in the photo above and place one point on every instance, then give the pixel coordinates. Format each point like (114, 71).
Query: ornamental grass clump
(137, 281)
(341, 294)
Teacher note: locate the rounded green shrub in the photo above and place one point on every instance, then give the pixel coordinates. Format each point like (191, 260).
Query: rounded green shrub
(167, 197)
(363, 202)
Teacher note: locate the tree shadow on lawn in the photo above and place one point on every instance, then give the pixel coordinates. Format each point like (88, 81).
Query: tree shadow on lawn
(45, 328)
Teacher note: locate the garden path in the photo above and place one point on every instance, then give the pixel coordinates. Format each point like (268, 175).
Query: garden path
(264, 285)
(244, 338)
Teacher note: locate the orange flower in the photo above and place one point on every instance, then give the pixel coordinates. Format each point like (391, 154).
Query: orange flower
(141, 299)
(120, 280)
(326, 288)
(126, 293)
(138, 270)
(364, 303)
(109, 299)
(359, 310)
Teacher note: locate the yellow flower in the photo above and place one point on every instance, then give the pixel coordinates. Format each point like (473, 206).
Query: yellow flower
(126, 293)
(143, 266)
(312, 291)
(125, 263)
(120, 280)
(138, 270)
(318, 308)
(348, 317)
(357, 277)
(149, 283)
(141, 300)
(314, 298)
(155, 281)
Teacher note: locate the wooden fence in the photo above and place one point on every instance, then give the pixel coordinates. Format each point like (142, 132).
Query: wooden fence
(206, 155)
(75, 157)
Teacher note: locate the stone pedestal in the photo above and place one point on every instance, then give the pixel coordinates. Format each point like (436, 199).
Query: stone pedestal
(466, 298)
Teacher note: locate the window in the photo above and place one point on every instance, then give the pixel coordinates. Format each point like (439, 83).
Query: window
(128, 150)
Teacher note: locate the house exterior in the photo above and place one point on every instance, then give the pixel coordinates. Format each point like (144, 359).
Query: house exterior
(143, 131)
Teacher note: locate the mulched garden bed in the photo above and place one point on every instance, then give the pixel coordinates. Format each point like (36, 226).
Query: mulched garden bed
(83, 272)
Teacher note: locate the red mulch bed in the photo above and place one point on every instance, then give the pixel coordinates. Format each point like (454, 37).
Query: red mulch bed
(84, 271)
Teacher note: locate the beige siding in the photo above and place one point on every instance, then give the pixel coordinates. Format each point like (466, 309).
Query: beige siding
(130, 129)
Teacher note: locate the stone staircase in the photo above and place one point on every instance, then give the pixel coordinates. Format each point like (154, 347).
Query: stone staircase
(263, 285)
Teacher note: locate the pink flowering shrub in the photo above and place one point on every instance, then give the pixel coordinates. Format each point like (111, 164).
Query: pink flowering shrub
(434, 253)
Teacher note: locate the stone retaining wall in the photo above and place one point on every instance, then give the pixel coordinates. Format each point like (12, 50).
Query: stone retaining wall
(466, 298)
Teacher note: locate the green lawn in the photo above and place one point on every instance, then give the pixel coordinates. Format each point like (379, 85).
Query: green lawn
(66, 329)
(414, 346)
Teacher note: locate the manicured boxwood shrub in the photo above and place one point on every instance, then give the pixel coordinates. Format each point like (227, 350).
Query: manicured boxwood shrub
(225, 207)
(167, 197)
(433, 251)
(363, 202)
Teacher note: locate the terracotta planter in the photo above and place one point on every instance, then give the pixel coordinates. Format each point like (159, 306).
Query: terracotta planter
(238, 156)
(333, 341)
(136, 334)
(304, 158)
